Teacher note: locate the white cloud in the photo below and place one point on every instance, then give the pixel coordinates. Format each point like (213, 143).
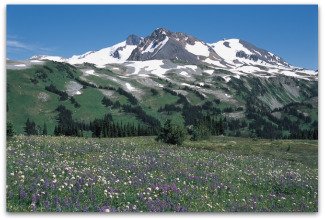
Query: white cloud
(14, 45)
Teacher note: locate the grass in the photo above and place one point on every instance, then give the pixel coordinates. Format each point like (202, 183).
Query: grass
(160, 100)
(23, 96)
(120, 116)
(223, 174)
(23, 101)
(91, 106)
(101, 81)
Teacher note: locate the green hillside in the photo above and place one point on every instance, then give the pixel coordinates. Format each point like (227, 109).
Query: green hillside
(278, 107)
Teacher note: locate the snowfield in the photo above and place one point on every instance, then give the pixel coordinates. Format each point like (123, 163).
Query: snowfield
(152, 66)
(229, 53)
(183, 73)
(129, 87)
(198, 49)
(104, 56)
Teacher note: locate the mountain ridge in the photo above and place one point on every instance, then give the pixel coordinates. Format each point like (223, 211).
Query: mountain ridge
(235, 55)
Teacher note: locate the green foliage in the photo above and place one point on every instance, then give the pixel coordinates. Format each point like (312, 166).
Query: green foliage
(200, 132)
(44, 132)
(154, 92)
(10, 129)
(130, 97)
(52, 88)
(107, 102)
(30, 127)
(172, 133)
(66, 125)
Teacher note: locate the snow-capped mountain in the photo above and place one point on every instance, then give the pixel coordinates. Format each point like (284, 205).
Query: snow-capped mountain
(235, 55)
(163, 44)
(229, 79)
(117, 53)
(46, 57)
(237, 52)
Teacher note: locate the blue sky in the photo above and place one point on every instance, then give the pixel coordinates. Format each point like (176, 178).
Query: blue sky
(286, 30)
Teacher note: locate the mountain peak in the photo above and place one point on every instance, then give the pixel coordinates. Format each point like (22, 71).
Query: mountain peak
(161, 29)
(160, 32)
(133, 40)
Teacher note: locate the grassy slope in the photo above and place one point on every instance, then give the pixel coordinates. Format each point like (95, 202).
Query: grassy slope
(23, 102)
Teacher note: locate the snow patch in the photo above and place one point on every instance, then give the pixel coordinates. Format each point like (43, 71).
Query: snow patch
(198, 49)
(129, 87)
(90, 72)
(214, 62)
(248, 69)
(73, 88)
(192, 67)
(229, 53)
(151, 48)
(20, 65)
(226, 78)
(152, 66)
(185, 84)
(289, 73)
(143, 75)
(183, 73)
(210, 72)
(36, 61)
(105, 56)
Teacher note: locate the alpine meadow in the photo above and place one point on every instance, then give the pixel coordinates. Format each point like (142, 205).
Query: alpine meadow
(164, 122)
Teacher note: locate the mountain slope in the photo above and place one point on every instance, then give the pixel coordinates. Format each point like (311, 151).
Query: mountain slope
(163, 44)
(117, 53)
(168, 75)
(237, 52)
(234, 55)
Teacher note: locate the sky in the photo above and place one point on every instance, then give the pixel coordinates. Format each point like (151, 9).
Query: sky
(290, 31)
